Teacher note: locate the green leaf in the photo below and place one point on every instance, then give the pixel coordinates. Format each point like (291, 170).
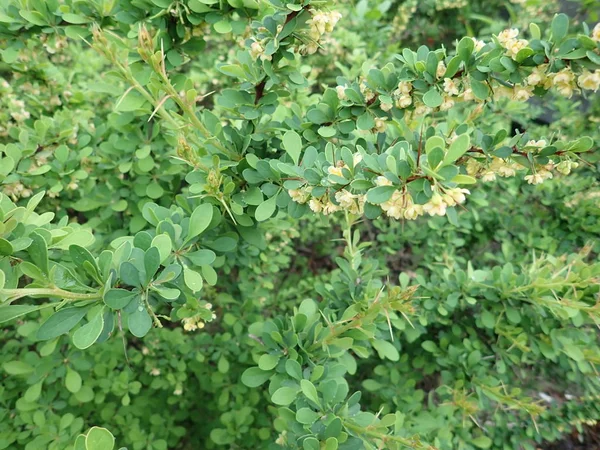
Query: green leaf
(293, 369)
(73, 381)
(129, 274)
(488, 319)
(266, 209)
(38, 251)
(310, 391)
(482, 442)
(192, 279)
(380, 194)
(292, 143)
(254, 377)
(200, 220)
(458, 148)
(139, 322)
(307, 416)
(61, 322)
(118, 298)
(465, 48)
(268, 362)
(365, 121)
(89, 333)
(311, 443)
(6, 248)
(151, 262)
(464, 179)
(17, 368)
(386, 349)
(33, 392)
(75, 18)
(10, 312)
(432, 98)
(222, 26)
(99, 439)
(80, 255)
(284, 396)
(480, 89)
(559, 27)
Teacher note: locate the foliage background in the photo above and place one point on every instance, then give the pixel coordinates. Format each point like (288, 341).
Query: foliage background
(100, 164)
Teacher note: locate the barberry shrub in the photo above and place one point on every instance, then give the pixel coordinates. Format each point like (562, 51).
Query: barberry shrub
(201, 213)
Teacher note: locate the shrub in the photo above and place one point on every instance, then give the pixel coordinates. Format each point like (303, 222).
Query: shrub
(201, 213)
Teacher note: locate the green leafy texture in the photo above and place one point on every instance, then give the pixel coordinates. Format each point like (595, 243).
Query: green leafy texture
(73, 381)
(380, 194)
(118, 298)
(6, 248)
(139, 322)
(386, 350)
(284, 396)
(458, 148)
(432, 98)
(11, 312)
(99, 439)
(464, 179)
(559, 27)
(151, 263)
(310, 391)
(268, 362)
(292, 143)
(266, 209)
(89, 333)
(199, 220)
(81, 255)
(61, 322)
(254, 377)
(129, 274)
(17, 368)
(38, 250)
(293, 369)
(482, 442)
(192, 279)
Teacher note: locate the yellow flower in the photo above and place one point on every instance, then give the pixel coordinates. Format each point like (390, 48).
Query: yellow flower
(507, 35)
(380, 125)
(382, 181)
(447, 104)
(450, 87)
(589, 80)
(404, 101)
(336, 170)
(436, 206)
(441, 69)
(596, 33)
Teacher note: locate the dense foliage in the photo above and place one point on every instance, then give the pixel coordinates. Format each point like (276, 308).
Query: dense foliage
(260, 224)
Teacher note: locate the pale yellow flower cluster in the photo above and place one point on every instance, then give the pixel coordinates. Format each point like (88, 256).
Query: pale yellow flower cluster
(563, 81)
(300, 195)
(16, 191)
(20, 114)
(352, 203)
(488, 171)
(596, 33)
(320, 23)
(258, 51)
(195, 322)
(402, 94)
(589, 80)
(479, 44)
(508, 40)
(402, 206)
(323, 205)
